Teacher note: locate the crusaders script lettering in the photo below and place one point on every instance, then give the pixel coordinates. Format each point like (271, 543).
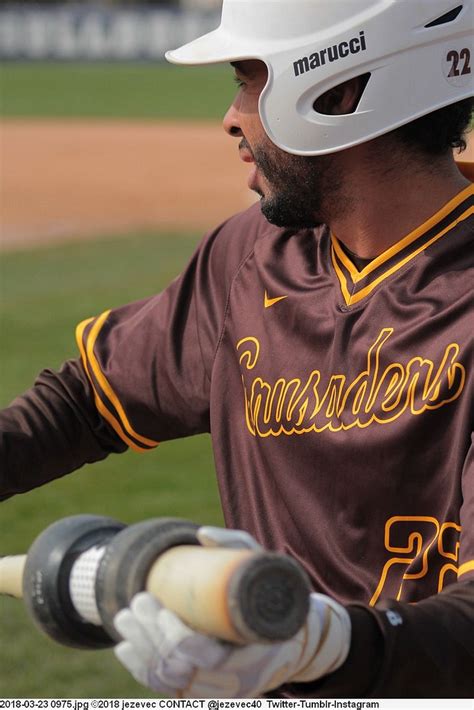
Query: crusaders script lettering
(378, 394)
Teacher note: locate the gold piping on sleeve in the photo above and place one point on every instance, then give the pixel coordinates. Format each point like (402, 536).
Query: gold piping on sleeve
(101, 379)
(466, 567)
(98, 402)
(88, 357)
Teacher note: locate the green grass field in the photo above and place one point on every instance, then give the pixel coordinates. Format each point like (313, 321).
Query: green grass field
(117, 90)
(44, 293)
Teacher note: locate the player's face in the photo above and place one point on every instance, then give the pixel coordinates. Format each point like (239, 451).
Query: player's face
(292, 188)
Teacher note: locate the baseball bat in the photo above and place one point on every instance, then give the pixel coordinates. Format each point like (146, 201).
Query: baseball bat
(11, 575)
(237, 595)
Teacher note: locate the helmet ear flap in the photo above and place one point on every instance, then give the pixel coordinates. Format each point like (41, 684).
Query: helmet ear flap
(343, 99)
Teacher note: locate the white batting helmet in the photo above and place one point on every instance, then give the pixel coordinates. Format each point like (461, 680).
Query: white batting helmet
(417, 52)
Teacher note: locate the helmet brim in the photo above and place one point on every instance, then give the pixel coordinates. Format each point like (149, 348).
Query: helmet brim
(212, 48)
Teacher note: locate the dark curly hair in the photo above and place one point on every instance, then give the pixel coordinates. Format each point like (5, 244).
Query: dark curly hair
(439, 131)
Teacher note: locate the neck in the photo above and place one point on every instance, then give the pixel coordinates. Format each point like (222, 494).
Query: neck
(388, 200)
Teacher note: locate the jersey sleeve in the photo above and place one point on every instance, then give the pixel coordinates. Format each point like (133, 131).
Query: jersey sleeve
(51, 430)
(149, 363)
(146, 368)
(143, 375)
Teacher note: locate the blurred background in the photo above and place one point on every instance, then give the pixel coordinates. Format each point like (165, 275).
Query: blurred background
(100, 133)
(112, 165)
(101, 29)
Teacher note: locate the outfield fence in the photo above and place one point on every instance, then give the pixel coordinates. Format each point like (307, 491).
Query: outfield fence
(88, 32)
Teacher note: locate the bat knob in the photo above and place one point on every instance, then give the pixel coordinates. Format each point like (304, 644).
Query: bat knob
(269, 598)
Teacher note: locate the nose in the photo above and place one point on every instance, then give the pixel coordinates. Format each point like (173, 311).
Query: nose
(231, 122)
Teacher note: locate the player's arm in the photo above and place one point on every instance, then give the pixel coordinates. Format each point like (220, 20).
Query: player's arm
(129, 389)
(52, 429)
(406, 650)
(143, 375)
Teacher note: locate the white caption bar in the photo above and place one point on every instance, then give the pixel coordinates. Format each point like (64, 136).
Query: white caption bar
(220, 704)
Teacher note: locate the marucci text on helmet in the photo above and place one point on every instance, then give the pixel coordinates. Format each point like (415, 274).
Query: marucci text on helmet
(337, 51)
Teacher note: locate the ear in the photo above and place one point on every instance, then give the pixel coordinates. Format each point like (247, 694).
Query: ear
(342, 99)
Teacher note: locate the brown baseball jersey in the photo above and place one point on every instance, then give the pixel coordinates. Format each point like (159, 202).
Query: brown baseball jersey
(339, 401)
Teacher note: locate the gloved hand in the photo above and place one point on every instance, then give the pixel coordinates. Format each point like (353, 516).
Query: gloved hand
(210, 536)
(164, 654)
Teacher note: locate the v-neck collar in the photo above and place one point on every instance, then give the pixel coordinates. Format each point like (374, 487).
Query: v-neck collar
(356, 285)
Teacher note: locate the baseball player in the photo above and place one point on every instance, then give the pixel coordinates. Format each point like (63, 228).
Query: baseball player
(324, 338)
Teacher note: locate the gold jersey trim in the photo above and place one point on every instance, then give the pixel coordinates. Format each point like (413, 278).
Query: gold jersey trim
(465, 568)
(119, 423)
(356, 285)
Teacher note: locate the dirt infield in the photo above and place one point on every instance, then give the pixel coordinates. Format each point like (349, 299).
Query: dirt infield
(76, 179)
(68, 179)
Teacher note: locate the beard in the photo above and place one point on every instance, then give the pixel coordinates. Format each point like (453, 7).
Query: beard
(301, 188)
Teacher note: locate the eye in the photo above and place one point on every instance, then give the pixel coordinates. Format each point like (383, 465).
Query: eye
(240, 83)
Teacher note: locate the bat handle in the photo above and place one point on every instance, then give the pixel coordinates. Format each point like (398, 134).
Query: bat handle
(11, 575)
(237, 595)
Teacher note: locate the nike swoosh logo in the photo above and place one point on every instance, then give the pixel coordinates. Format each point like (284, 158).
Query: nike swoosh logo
(269, 302)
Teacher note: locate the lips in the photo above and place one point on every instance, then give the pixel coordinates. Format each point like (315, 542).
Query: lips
(245, 153)
(246, 156)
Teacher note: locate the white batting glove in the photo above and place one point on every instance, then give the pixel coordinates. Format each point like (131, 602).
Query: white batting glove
(210, 536)
(169, 657)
